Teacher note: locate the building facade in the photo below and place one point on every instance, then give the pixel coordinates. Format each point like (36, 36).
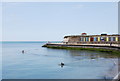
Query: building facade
(92, 39)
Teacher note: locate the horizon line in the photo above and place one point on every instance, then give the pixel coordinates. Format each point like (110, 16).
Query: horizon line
(26, 40)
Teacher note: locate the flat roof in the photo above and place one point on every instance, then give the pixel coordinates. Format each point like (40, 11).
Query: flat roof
(90, 35)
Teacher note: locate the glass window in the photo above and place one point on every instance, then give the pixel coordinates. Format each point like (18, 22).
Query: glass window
(87, 39)
(101, 38)
(104, 38)
(119, 38)
(94, 38)
(113, 38)
(109, 38)
(82, 38)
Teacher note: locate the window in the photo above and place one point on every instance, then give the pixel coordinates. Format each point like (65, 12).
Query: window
(109, 38)
(101, 39)
(113, 38)
(119, 38)
(82, 38)
(87, 38)
(95, 39)
(104, 38)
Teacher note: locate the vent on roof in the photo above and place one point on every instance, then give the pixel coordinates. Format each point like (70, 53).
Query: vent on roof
(84, 34)
(103, 34)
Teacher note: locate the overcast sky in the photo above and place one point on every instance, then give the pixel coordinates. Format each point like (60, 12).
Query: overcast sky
(51, 21)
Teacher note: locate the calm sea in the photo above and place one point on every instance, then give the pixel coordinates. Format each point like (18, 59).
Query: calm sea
(43, 63)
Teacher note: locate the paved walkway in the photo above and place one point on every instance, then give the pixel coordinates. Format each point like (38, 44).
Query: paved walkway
(116, 45)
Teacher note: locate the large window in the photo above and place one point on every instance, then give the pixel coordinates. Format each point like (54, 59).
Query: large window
(118, 38)
(101, 38)
(82, 38)
(114, 38)
(95, 39)
(87, 38)
(104, 38)
(109, 38)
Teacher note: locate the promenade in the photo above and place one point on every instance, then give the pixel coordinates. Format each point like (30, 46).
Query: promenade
(108, 45)
(98, 47)
(115, 45)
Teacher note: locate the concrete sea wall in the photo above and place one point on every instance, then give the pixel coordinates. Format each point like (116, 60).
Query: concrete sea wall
(93, 47)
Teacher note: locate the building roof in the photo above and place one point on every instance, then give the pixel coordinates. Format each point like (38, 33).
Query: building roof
(90, 35)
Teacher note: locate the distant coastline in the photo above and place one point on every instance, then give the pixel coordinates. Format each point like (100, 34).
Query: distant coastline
(28, 41)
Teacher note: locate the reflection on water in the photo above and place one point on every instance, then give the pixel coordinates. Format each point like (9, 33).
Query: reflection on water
(45, 63)
(91, 54)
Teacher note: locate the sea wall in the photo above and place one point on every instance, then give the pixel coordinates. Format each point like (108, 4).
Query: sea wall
(101, 48)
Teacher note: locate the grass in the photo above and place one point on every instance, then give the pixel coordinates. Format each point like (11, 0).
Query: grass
(111, 51)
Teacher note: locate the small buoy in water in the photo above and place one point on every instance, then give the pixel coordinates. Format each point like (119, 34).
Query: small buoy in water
(62, 64)
(23, 51)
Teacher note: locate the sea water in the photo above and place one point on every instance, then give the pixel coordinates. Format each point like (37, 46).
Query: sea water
(44, 63)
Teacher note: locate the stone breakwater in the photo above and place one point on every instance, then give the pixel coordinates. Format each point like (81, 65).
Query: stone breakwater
(93, 47)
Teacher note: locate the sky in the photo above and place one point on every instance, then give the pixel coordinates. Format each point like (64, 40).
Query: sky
(51, 21)
(60, 0)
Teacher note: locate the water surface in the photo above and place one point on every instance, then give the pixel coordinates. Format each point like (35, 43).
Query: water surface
(43, 63)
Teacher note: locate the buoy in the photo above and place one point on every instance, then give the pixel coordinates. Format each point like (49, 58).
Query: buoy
(62, 64)
(23, 51)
